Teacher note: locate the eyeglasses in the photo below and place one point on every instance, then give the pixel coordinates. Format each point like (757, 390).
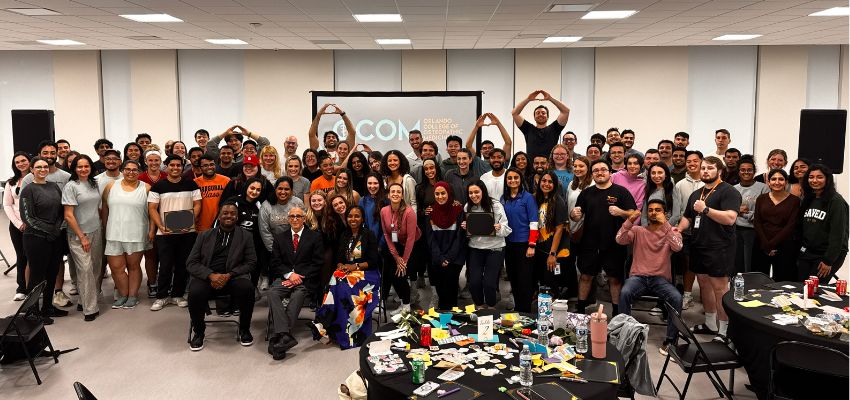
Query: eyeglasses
(289, 143)
(296, 216)
(131, 171)
(112, 159)
(559, 154)
(569, 140)
(41, 167)
(599, 170)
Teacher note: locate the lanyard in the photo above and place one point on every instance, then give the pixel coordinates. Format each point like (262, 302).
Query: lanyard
(703, 196)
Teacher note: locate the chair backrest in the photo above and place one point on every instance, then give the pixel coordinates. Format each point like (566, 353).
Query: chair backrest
(83, 392)
(686, 334)
(816, 362)
(755, 280)
(32, 299)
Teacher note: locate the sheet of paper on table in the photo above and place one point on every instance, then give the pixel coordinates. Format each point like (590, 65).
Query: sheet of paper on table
(789, 287)
(784, 319)
(799, 302)
(834, 310)
(393, 334)
(752, 303)
(831, 296)
(494, 339)
(380, 348)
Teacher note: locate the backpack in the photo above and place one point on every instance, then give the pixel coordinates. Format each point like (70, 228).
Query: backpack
(354, 387)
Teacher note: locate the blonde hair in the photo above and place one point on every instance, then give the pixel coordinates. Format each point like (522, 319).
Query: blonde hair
(313, 218)
(276, 167)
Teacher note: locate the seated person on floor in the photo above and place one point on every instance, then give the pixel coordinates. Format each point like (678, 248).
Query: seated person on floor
(650, 271)
(296, 264)
(353, 293)
(221, 262)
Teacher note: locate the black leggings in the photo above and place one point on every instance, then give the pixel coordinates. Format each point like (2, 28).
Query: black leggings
(445, 281)
(521, 274)
(20, 257)
(400, 283)
(44, 257)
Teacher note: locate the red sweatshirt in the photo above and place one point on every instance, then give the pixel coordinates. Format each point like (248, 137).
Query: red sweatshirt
(652, 249)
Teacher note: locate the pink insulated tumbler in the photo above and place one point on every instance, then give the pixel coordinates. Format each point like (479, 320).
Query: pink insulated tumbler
(598, 333)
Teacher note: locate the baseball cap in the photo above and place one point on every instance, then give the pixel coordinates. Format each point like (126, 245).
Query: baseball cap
(112, 152)
(251, 160)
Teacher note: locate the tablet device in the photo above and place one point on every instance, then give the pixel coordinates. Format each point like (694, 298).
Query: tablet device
(480, 223)
(179, 221)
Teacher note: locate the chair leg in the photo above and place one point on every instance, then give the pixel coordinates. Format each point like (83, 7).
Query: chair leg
(687, 383)
(663, 370)
(714, 383)
(731, 381)
(52, 351)
(724, 392)
(30, 360)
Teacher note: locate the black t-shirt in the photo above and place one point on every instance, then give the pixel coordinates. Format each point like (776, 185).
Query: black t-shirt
(600, 227)
(560, 217)
(231, 172)
(539, 142)
(711, 234)
(218, 261)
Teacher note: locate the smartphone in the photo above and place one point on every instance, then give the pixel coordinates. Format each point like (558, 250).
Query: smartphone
(426, 389)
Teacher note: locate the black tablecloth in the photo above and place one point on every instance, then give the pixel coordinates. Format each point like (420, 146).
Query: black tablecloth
(401, 387)
(754, 335)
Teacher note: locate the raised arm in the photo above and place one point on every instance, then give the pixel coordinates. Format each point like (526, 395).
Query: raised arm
(313, 133)
(564, 111)
(506, 138)
(351, 134)
(470, 140)
(518, 119)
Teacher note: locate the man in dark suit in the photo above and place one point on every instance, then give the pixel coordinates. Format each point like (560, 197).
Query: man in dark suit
(220, 263)
(295, 269)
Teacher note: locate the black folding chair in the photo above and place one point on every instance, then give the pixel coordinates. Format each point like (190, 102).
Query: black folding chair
(9, 267)
(83, 392)
(755, 280)
(654, 300)
(695, 357)
(219, 318)
(798, 370)
(26, 325)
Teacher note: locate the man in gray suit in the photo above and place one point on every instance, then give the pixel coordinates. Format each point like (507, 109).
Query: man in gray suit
(220, 263)
(295, 269)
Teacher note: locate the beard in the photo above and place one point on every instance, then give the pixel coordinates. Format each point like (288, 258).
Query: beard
(497, 166)
(711, 179)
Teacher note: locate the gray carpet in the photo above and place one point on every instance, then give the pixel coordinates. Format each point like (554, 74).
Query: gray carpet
(140, 354)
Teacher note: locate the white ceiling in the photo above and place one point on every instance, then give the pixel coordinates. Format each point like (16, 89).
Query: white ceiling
(430, 24)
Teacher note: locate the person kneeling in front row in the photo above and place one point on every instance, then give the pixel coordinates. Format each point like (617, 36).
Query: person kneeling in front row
(650, 272)
(220, 263)
(297, 259)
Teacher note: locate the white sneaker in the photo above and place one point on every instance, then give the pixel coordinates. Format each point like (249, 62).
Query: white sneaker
(73, 291)
(687, 301)
(159, 304)
(181, 302)
(60, 299)
(19, 296)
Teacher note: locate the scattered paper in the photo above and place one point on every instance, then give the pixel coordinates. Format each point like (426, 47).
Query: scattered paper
(450, 375)
(469, 309)
(494, 339)
(834, 310)
(456, 309)
(380, 348)
(439, 334)
(393, 334)
(789, 287)
(831, 296)
(751, 303)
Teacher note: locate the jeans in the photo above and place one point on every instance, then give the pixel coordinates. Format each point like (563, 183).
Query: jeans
(484, 266)
(637, 285)
(44, 256)
(88, 264)
(20, 257)
(241, 293)
(173, 250)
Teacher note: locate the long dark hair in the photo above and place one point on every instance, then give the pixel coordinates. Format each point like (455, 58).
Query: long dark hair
(506, 195)
(403, 165)
(66, 164)
(667, 185)
(550, 201)
(486, 202)
(16, 173)
(422, 188)
(282, 179)
(380, 196)
(248, 183)
(73, 170)
(529, 167)
(809, 193)
(141, 151)
(791, 177)
(363, 161)
(332, 220)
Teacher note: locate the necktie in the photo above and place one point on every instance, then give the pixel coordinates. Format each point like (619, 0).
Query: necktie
(295, 242)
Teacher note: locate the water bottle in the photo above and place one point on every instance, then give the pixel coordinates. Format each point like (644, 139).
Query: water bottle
(581, 338)
(525, 377)
(543, 332)
(544, 305)
(739, 287)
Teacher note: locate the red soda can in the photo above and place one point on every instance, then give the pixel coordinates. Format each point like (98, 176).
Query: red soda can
(810, 287)
(425, 335)
(841, 287)
(816, 280)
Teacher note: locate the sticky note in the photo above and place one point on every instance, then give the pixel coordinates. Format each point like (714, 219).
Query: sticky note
(469, 309)
(432, 313)
(439, 334)
(456, 309)
(510, 316)
(494, 339)
(751, 303)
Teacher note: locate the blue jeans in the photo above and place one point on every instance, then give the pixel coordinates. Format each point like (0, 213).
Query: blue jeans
(638, 285)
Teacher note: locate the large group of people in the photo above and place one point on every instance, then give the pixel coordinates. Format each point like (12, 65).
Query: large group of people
(340, 227)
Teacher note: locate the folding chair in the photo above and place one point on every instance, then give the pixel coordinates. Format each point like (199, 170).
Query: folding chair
(694, 357)
(217, 319)
(650, 299)
(812, 367)
(83, 392)
(9, 267)
(24, 326)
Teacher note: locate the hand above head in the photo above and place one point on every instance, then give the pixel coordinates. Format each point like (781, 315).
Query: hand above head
(546, 95)
(533, 95)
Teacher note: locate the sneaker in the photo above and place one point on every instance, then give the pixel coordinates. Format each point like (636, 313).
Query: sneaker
(131, 303)
(181, 302)
(46, 320)
(19, 297)
(197, 342)
(119, 302)
(60, 299)
(91, 317)
(73, 291)
(151, 292)
(245, 338)
(55, 312)
(655, 311)
(159, 304)
(264, 283)
(687, 301)
(664, 346)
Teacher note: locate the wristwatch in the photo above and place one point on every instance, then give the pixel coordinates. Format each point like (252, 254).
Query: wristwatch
(552, 253)
(705, 210)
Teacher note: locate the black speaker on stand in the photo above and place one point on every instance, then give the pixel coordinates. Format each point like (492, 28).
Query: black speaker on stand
(31, 127)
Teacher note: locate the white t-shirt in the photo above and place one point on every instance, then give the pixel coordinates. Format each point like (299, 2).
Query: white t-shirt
(495, 184)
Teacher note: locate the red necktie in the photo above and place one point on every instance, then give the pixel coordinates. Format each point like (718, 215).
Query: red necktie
(295, 242)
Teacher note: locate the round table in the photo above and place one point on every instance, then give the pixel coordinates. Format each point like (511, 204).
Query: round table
(754, 335)
(400, 386)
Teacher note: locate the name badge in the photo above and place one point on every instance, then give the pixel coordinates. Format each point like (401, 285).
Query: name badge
(696, 221)
(803, 249)
(557, 270)
(394, 236)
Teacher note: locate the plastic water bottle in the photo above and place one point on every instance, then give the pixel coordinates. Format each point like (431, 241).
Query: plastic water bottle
(581, 338)
(525, 377)
(543, 332)
(739, 287)
(544, 305)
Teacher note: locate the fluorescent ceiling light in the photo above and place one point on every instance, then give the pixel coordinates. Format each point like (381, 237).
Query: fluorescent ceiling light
(60, 42)
(832, 12)
(226, 41)
(151, 18)
(609, 14)
(378, 17)
(392, 41)
(562, 39)
(736, 37)
(571, 7)
(33, 11)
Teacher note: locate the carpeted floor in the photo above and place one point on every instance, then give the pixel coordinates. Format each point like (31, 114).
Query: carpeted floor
(140, 354)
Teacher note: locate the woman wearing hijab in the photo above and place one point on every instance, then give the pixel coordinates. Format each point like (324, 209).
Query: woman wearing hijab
(447, 243)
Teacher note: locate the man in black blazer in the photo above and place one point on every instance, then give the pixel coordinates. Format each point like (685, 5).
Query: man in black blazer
(221, 262)
(295, 270)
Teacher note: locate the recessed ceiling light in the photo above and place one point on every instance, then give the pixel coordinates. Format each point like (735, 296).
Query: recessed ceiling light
(571, 7)
(562, 39)
(60, 42)
(151, 17)
(33, 11)
(226, 41)
(609, 14)
(832, 12)
(392, 41)
(736, 37)
(378, 17)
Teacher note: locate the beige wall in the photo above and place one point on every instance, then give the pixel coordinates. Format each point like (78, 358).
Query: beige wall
(153, 88)
(644, 89)
(536, 69)
(76, 91)
(423, 70)
(278, 102)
